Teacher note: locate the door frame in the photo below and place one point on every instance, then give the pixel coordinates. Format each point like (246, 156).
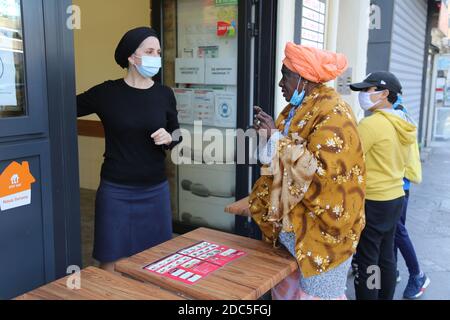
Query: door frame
(62, 126)
(257, 65)
(48, 131)
(257, 74)
(34, 122)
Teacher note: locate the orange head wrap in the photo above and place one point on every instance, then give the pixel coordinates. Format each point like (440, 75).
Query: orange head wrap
(314, 64)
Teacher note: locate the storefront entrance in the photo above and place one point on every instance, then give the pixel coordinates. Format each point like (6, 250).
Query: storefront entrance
(227, 36)
(44, 161)
(39, 205)
(218, 58)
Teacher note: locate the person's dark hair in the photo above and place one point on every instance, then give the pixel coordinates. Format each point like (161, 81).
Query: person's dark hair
(392, 97)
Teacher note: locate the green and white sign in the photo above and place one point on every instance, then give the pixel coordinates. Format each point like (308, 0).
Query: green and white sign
(226, 2)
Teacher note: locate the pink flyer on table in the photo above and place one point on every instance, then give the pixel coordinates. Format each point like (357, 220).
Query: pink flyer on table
(192, 264)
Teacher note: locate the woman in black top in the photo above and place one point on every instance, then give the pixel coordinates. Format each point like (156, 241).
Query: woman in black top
(133, 210)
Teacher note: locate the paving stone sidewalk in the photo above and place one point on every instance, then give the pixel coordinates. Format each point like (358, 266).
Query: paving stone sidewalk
(428, 222)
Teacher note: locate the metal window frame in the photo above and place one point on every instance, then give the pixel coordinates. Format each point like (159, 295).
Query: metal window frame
(256, 68)
(62, 118)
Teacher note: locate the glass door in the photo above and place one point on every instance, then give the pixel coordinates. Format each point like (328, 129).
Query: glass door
(12, 62)
(442, 100)
(219, 60)
(26, 213)
(22, 68)
(200, 64)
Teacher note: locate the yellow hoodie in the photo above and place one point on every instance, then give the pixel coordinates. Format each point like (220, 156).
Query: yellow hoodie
(414, 167)
(388, 140)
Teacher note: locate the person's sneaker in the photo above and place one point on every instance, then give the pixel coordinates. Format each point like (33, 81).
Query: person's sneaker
(399, 279)
(416, 287)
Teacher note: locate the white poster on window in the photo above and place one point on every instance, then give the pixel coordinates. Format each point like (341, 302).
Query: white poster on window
(439, 95)
(204, 107)
(184, 106)
(221, 71)
(10, 8)
(190, 71)
(226, 116)
(440, 82)
(8, 95)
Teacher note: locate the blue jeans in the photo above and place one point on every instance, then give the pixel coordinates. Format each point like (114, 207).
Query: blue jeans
(404, 243)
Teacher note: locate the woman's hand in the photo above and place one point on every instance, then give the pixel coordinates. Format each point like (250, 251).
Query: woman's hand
(263, 121)
(162, 137)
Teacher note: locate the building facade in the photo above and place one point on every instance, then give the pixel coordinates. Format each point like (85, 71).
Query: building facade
(53, 49)
(408, 44)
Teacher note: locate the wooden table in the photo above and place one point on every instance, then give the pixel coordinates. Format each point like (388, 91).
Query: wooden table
(247, 278)
(97, 284)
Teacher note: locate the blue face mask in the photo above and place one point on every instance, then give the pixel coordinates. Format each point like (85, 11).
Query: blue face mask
(150, 66)
(297, 98)
(399, 102)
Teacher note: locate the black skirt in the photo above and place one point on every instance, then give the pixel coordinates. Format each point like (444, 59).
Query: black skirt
(129, 220)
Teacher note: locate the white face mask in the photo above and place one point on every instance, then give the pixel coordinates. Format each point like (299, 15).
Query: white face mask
(365, 101)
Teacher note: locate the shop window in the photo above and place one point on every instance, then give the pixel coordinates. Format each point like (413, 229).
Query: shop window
(200, 64)
(311, 19)
(12, 65)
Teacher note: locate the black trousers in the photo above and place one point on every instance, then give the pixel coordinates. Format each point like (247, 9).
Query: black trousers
(377, 267)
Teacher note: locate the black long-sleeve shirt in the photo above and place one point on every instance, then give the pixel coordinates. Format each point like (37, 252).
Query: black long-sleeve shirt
(130, 116)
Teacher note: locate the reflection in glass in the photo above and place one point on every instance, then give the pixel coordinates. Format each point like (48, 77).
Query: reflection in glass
(12, 65)
(443, 123)
(200, 64)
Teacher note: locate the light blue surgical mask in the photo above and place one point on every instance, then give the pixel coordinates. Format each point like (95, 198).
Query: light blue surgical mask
(150, 66)
(297, 98)
(398, 103)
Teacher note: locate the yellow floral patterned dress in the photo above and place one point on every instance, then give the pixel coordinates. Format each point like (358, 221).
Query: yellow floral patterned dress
(330, 218)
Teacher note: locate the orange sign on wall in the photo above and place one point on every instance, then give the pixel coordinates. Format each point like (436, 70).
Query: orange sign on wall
(15, 186)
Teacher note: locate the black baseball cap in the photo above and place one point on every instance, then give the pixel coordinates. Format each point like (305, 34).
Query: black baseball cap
(380, 79)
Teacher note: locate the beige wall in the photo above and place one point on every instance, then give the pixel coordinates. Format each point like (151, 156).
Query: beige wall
(352, 40)
(285, 34)
(103, 23)
(347, 32)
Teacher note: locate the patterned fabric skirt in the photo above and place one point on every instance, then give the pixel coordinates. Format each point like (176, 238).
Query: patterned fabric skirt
(327, 286)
